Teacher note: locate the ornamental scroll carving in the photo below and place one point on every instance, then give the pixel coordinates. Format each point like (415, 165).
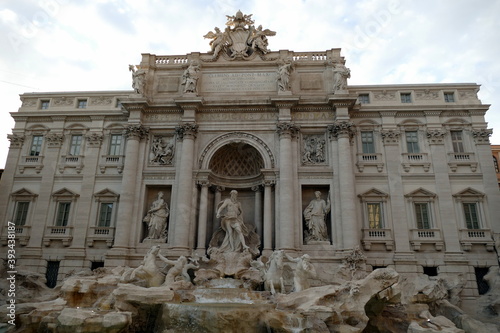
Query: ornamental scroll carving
(436, 136)
(138, 132)
(94, 139)
(16, 141)
(162, 150)
(241, 40)
(482, 136)
(313, 149)
(390, 136)
(54, 139)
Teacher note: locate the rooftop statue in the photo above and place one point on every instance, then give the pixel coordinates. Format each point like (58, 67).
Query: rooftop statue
(240, 39)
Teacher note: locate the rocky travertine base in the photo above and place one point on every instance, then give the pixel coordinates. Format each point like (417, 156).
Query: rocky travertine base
(383, 301)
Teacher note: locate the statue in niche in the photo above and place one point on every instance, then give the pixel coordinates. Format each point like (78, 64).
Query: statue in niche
(137, 79)
(156, 218)
(233, 235)
(340, 76)
(284, 76)
(302, 272)
(190, 78)
(314, 150)
(163, 153)
(315, 214)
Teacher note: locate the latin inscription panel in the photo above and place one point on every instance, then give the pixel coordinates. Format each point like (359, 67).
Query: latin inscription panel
(239, 82)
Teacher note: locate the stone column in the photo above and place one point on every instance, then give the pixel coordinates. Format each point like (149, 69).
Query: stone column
(343, 131)
(187, 133)
(483, 148)
(400, 227)
(286, 131)
(258, 209)
(134, 134)
(443, 190)
(202, 217)
(217, 199)
(268, 217)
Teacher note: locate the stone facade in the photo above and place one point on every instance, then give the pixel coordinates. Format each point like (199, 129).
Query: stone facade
(407, 169)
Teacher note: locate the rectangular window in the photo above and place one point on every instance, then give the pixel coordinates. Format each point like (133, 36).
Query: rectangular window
(364, 99)
(422, 215)
(449, 97)
(44, 104)
(412, 142)
(368, 146)
(82, 104)
(63, 214)
(105, 212)
(74, 147)
(115, 144)
(405, 97)
(21, 212)
(36, 145)
(118, 104)
(374, 210)
(471, 215)
(457, 141)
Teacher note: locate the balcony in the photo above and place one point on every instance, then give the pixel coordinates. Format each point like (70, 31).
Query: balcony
(111, 161)
(377, 236)
(22, 235)
(370, 160)
(105, 234)
(35, 162)
(456, 160)
(71, 161)
(415, 160)
(470, 237)
(58, 233)
(426, 236)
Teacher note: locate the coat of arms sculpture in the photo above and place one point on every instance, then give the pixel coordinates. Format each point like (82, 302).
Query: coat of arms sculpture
(241, 40)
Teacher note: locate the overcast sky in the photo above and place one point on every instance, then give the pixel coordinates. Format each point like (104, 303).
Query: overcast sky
(72, 45)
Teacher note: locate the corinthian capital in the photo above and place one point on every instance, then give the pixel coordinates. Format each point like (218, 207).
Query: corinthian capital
(482, 136)
(186, 130)
(287, 128)
(138, 132)
(341, 128)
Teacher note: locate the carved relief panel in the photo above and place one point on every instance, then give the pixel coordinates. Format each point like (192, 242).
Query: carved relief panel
(313, 149)
(162, 150)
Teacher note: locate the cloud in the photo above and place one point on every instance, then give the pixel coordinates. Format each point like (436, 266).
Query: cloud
(64, 45)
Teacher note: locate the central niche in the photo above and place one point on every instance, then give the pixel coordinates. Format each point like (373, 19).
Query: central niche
(236, 160)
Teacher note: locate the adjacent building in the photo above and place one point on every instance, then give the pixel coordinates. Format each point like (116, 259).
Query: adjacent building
(406, 171)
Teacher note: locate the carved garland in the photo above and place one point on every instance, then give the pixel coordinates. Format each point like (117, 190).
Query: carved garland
(436, 136)
(236, 135)
(390, 136)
